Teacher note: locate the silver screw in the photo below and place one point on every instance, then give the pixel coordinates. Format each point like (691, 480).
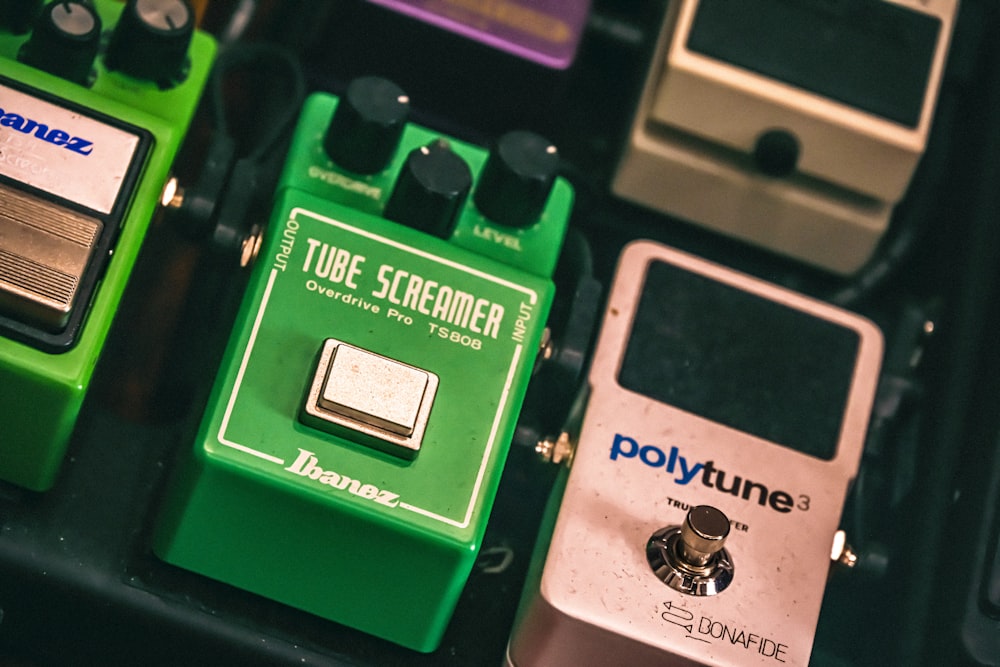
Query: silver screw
(546, 348)
(842, 552)
(250, 246)
(556, 450)
(848, 558)
(173, 194)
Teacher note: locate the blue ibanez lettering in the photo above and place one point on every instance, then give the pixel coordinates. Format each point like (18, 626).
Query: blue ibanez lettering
(43, 132)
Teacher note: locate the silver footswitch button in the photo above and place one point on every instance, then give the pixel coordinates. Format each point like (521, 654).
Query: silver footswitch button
(690, 558)
(44, 251)
(355, 391)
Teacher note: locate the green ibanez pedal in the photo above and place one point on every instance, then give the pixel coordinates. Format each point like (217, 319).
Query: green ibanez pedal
(352, 447)
(95, 99)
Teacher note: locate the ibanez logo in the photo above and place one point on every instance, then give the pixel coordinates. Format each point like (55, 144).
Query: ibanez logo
(307, 465)
(44, 132)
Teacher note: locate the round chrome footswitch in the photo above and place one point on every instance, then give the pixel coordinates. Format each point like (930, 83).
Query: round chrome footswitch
(690, 558)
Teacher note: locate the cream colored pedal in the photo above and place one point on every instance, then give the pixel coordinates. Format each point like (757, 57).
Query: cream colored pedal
(794, 126)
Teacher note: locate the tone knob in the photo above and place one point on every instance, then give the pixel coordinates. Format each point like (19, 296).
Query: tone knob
(151, 40)
(430, 190)
(65, 41)
(516, 181)
(18, 16)
(691, 558)
(367, 125)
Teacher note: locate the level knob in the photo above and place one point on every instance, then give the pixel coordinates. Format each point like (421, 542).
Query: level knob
(65, 41)
(430, 190)
(517, 178)
(367, 125)
(151, 40)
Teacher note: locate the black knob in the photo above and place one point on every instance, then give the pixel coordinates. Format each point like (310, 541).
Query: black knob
(430, 190)
(367, 125)
(18, 16)
(517, 179)
(151, 40)
(776, 152)
(65, 41)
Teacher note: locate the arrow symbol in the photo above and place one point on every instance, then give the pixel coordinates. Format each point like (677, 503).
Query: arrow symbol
(678, 616)
(679, 612)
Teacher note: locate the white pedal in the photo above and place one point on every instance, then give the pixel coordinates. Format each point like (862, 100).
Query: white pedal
(796, 126)
(725, 422)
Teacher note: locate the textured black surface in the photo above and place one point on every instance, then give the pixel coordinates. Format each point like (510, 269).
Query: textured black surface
(875, 56)
(739, 359)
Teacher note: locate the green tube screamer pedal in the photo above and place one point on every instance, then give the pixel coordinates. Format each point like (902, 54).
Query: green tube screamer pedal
(351, 449)
(95, 100)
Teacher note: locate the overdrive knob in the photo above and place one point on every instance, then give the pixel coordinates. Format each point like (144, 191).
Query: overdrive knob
(516, 181)
(367, 125)
(151, 40)
(691, 558)
(430, 190)
(65, 41)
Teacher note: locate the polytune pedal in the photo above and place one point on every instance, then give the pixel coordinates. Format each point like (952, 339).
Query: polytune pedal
(725, 422)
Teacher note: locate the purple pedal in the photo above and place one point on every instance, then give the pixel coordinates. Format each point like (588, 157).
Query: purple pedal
(544, 31)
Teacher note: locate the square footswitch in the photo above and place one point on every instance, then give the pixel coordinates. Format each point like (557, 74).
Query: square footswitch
(95, 100)
(361, 393)
(350, 454)
(696, 523)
